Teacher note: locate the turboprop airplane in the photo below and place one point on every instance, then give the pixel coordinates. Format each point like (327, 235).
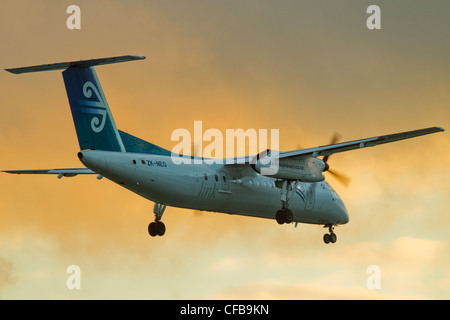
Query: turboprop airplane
(295, 192)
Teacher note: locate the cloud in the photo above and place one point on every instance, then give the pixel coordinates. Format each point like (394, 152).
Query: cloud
(410, 268)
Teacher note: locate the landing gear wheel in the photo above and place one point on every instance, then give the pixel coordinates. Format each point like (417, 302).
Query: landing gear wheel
(152, 229)
(330, 237)
(156, 229)
(160, 228)
(289, 216)
(280, 216)
(284, 216)
(333, 237)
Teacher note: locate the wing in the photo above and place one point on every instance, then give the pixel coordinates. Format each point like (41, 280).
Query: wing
(357, 144)
(60, 172)
(328, 150)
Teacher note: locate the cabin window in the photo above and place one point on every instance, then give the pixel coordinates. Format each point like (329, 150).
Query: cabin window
(134, 161)
(217, 178)
(206, 177)
(143, 161)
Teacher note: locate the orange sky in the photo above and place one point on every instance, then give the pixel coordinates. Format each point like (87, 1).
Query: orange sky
(308, 68)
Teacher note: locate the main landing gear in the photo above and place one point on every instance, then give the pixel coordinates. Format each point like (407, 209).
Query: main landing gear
(285, 215)
(158, 227)
(329, 237)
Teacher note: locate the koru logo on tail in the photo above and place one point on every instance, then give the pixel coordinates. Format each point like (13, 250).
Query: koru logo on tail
(98, 108)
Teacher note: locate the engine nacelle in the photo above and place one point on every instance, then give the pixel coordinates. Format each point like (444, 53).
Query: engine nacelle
(307, 170)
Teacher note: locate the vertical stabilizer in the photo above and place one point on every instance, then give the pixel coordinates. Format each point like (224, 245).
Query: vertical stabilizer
(93, 121)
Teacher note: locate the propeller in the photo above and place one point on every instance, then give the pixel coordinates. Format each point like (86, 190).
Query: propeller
(342, 178)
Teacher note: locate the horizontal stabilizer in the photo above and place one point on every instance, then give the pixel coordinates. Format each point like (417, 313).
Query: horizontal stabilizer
(80, 63)
(60, 172)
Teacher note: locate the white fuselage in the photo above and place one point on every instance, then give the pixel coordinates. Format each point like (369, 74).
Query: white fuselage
(235, 189)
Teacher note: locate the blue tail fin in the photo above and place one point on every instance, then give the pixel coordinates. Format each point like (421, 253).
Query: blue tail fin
(93, 121)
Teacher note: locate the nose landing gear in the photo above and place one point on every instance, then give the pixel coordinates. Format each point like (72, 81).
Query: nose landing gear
(329, 237)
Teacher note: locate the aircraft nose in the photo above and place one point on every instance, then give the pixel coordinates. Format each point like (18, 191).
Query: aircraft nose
(342, 212)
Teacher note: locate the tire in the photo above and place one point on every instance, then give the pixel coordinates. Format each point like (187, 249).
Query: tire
(152, 229)
(160, 228)
(333, 237)
(280, 216)
(326, 238)
(289, 216)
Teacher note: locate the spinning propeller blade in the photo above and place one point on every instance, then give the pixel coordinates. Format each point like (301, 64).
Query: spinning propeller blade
(342, 178)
